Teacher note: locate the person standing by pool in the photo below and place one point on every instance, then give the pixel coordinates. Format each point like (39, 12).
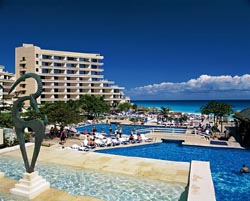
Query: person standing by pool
(110, 129)
(120, 131)
(63, 136)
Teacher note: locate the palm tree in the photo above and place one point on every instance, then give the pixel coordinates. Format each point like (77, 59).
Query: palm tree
(164, 111)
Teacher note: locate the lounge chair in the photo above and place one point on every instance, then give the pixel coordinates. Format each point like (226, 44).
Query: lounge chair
(115, 141)
(79, 148)
(100, 143)
(146, 139)
(85, 144)
(108, 141)
(124, 140)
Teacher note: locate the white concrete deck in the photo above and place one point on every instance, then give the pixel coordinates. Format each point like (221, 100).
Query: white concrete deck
(200, 182)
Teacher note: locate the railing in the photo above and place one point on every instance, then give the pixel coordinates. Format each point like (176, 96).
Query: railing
(162, 130)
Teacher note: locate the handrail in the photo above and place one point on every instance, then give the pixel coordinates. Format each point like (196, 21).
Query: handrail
(162, 130)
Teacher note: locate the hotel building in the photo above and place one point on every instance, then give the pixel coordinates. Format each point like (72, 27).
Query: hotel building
(65, 75)
(6, 80)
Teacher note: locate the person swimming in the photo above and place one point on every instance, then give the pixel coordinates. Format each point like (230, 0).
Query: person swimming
(244, 169)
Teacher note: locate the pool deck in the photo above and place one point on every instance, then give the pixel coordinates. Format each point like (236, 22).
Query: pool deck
(131, 166)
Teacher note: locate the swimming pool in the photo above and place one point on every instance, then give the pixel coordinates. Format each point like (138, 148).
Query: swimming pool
(102, 185)
(126, 129)
(225, 164)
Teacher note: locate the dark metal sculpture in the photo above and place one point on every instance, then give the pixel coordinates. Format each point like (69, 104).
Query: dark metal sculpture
(37, 125)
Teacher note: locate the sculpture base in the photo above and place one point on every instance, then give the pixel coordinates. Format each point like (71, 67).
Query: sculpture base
(30, 186)
(1, 175)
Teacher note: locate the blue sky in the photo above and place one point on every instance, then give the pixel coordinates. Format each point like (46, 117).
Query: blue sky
(156, 49)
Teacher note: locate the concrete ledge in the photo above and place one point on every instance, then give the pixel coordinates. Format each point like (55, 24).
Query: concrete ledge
(201, 185)
(14, 148)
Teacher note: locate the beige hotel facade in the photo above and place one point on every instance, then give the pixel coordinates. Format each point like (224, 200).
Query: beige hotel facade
(6, 81)
(65, 75)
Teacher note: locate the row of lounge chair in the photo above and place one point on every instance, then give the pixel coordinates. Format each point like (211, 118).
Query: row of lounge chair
(103, 140)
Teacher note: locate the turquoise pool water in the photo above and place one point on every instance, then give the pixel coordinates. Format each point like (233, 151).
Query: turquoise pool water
(225, 164)
(126, 129)
(102, 185)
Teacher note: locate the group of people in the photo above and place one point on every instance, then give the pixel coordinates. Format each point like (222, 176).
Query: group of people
(117, 131)
(132, 139)
(62, 133)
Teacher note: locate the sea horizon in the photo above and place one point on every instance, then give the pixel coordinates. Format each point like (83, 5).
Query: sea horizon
(189, 106)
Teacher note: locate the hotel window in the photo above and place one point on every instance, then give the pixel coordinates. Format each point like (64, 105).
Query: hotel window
(71, 59)
(94, 60)
(45, 71)
(22, 65)
(37, 62)
(46, 57)
(55, 90)
(58, 58)
(37, 55)
(57, 71)
(94, 66)
(68, 96)
(94, 73)
(56, 95)
(58, 64)
(70, 72)
(45, 63)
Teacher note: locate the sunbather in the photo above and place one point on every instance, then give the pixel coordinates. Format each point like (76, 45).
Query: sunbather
(139, 138)
(131, 138)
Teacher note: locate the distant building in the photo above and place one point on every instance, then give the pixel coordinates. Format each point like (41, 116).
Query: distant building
(242, 119)
(65, 75)
(6, 80)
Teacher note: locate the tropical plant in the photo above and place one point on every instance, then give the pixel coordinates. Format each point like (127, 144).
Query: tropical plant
(92, 105)
(217, 109)
(60, 113)
(124, 106)
(6, 120)
(164, 111)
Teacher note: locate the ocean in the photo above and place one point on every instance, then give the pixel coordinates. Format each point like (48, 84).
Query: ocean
(189, 106)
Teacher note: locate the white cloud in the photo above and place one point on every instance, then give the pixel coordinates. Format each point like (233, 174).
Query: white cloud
(204, 87)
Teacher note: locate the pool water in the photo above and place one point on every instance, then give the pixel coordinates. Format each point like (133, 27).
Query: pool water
(225, 164)
(102, 185)
(126, 129)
